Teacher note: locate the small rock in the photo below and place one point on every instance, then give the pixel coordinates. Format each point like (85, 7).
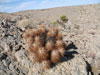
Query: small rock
(23, 70)
(7, 48)
(17, 48)
(11, 67)
(2, 72)
(14, 68)
(1, 48)
(3, 56)
(6, 62)
(10, 73)
(4, 46)
(4, 68)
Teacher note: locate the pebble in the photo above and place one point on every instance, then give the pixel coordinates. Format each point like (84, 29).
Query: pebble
(4, 68)
(3, 56)
(6, 62)
(10, 73)
(24, 70)
(11, 67)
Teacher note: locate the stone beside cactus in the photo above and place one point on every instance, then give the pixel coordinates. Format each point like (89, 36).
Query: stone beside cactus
(44, 45)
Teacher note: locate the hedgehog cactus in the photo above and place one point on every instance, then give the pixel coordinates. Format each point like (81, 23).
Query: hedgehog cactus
(44, 45)
(55, 56)
(49, 45)
(42, 54)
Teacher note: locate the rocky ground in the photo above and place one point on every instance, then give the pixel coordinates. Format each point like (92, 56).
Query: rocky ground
(82, 32)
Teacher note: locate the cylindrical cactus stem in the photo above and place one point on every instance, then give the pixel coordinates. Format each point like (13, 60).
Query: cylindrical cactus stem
(46, 64)
(59, 44)
(55, 29)
(49, 45)
(34, 58)
(51, 34)
(39, 41)
(37, 38)
(28, 33)
(35, 32)
(42, 29)
(59, 36)
(35, 47)
(42, 53)
(55, 56)
(61, 51)
(30, 40)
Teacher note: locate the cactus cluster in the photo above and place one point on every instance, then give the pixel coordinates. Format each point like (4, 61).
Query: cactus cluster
(44, 45)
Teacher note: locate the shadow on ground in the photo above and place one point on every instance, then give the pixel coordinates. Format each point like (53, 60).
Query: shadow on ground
(69, 54)
(70, 51)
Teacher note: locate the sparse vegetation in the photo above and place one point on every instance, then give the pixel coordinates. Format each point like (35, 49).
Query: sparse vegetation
(45, 46)
(54, 22)
(63, 18)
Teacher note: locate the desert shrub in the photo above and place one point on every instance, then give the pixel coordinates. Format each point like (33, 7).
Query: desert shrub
(44, 45)
(54, 22)
(63, 18)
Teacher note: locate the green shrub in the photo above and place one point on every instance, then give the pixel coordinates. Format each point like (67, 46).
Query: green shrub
(54, 22)
(63, 18)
